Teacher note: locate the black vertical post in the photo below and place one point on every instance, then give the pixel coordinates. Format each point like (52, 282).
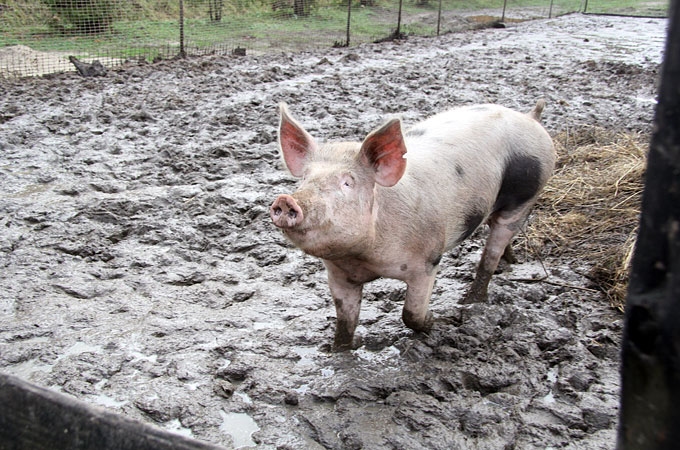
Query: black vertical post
(182, 51)
(550, 11)
(439, 17)
(349, 16)
(650, 378)
(397, 33)
(505, 3)
(585, 7)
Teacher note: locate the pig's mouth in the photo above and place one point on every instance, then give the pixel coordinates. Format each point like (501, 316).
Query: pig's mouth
(313, 236)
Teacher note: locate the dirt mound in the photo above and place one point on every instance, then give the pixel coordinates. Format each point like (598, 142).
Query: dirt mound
(18, 61)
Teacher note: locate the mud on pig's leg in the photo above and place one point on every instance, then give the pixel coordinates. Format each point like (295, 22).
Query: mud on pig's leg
(502, 229)
(347, 298)
(416, 314)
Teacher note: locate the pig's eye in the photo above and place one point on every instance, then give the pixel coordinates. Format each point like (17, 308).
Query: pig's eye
(347, 181)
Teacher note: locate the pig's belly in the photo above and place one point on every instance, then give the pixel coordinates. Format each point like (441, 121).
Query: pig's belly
(359, 271)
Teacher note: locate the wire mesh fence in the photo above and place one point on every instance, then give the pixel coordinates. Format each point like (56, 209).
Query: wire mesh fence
(38, 36)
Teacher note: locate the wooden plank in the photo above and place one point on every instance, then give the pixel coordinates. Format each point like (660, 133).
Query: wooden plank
(34, 418)
(650, 394)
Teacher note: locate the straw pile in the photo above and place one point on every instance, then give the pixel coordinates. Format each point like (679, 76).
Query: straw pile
(590, 209)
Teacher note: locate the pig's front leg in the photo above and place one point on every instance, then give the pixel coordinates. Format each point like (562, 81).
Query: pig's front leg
(347, 298)
(416, 314)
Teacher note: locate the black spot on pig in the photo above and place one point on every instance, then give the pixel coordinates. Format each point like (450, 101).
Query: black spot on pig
(404, 267)
(471, 221)
(521, 182)
(459, 170)
(415, 132)
(433, 262)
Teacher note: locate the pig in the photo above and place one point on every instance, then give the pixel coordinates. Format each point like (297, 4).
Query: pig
(390, 206)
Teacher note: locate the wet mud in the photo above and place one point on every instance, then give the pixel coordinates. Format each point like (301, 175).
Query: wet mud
(140, 270)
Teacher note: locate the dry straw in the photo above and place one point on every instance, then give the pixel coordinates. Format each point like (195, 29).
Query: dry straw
(590, 209)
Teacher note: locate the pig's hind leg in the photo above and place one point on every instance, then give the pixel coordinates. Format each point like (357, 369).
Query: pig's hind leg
(523, 179)
(502, 227)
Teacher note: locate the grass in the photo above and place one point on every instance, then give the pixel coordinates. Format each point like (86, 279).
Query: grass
(629, 7)
(253, 23)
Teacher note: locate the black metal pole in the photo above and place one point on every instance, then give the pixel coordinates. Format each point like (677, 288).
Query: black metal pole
(182, 51)
(398, 32)
(650, 370)
(349, 17)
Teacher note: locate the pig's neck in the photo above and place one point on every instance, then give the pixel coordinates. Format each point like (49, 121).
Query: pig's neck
(388, 223)
(405, 227)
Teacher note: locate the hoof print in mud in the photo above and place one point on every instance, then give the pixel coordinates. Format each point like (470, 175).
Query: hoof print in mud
(234, 372)
(224, 388)
(291, 399)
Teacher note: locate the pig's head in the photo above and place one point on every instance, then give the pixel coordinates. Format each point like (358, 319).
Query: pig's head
(333, 213)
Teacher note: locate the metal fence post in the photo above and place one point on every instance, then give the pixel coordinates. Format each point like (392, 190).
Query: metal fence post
(349, 17)
(398, 32)
(182, 51)
(439, 17)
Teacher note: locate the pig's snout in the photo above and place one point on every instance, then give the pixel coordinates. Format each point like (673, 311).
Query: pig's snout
(285, 212)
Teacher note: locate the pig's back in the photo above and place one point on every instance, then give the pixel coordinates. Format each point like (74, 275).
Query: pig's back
(475, 131)
(474, 143)
(456, 162)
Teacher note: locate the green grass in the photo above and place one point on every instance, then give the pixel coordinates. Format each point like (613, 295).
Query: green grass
(631, 7)
(253, 23)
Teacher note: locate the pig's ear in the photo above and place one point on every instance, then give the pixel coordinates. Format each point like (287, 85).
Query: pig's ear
(295, 143)
(384, 151)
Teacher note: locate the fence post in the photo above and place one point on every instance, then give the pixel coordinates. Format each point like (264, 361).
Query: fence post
(349, 17)
(182, 51)
(397, 33)
(439, 17)
(36, 418)
(650, 370)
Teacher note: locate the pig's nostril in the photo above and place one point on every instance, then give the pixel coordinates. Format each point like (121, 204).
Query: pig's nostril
(285, 212)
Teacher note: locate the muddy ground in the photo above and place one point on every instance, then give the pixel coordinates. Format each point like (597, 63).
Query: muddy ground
(140, 270)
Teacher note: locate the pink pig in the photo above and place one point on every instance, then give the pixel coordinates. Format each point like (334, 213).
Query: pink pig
(391, 205)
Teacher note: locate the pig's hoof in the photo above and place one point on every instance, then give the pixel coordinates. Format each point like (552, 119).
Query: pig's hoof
(417, 325)
(354, 344)
(503, 266)
(473, 297)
